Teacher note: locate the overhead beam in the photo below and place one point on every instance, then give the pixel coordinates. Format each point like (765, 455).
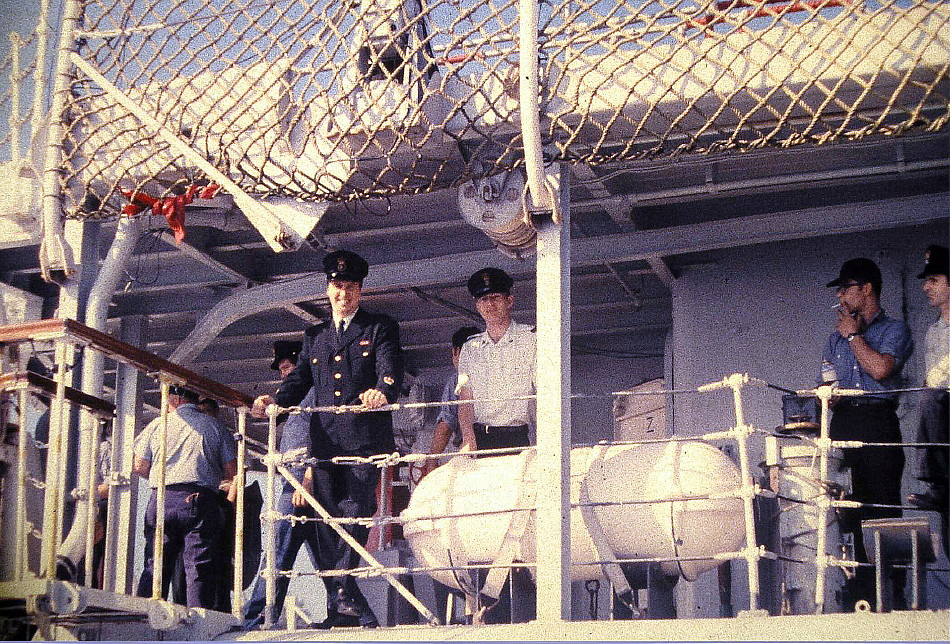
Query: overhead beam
(618, 208)
(662, 271)
(634, 246)
(203, 258)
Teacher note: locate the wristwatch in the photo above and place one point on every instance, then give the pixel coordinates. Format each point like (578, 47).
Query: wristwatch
(852, 336)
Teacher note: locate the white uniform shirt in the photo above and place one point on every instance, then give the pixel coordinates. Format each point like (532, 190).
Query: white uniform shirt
(500, 370)
(937, 356)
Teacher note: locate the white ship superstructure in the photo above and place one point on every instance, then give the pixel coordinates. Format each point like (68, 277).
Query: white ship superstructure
(670, 185)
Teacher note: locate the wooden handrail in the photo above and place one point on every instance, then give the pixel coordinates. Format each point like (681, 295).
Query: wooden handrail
(53, 329)
(47, 387)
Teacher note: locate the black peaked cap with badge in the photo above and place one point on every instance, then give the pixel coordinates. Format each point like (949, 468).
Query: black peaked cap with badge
(859, 269)
(345, 265)
(489, 280)
(286, 350)
(937, 261)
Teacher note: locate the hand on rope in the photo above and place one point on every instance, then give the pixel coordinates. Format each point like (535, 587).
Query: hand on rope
(299, 499)
(172, 208)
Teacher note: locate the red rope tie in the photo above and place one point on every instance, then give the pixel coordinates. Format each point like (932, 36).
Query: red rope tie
(172, 208)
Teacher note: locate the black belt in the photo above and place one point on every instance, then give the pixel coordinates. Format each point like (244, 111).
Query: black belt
(869, 401)
(189, 487)
(488, 429)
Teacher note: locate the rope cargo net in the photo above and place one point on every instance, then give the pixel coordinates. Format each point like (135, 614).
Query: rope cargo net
(333, 101)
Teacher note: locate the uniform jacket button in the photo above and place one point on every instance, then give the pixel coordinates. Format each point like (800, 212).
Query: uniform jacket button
(338, 358)
(338, 375)
(315, 360)
(337, 393)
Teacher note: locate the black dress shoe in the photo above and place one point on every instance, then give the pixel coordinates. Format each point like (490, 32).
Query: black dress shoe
(335, 620)
(927, 501)
(345, 605)
(65, 569)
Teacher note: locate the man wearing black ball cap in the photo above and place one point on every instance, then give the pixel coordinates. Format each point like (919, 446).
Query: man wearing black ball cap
(867, 351)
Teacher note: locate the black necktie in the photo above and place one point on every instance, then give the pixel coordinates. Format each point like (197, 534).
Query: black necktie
(339, 330)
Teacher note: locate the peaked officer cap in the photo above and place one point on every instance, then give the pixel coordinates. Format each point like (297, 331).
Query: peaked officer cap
(184, 392)
(937, 261)
(489, 280)
(345, 265)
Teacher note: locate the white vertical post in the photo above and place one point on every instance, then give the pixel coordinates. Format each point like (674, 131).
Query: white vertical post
(384, 510)
(54, 493)
(748, 494)
(824, 502)
(554, 412)
(22, 532)
(158, 550)
(93, 427)
(237, 604)
(122, 515)
(270, 522)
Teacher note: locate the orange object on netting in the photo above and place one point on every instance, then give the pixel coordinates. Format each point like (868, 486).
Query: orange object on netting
(172, 208)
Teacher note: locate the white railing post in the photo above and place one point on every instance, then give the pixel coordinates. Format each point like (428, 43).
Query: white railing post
(237, 604)
(553, 377)
(270, 521)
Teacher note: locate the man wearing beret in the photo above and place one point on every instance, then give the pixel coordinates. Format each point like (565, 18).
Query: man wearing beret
(495, 368)
(867, 351)
(354, 358)
(934, 420)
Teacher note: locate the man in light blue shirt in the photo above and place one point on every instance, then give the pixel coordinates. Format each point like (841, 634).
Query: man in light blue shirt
(199, 455)
(447, 426)
(868, 349)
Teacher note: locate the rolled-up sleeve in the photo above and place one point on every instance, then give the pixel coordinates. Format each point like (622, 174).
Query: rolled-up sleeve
(897, 341)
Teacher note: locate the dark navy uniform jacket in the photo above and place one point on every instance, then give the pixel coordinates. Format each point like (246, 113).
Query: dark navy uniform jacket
(367, 356)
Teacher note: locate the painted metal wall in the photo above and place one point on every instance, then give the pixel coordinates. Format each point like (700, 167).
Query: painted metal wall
(765, 310)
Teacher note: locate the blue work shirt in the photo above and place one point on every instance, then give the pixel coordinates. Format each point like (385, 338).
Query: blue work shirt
(197, 449)
(295, 433)
(450, 413)
(886, 336)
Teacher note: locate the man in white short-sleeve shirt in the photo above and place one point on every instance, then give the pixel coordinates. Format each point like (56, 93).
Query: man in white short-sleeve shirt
(499, 367)
(496, 370)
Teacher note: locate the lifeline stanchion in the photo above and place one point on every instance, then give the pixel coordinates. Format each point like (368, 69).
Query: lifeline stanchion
(158, 543)
(270, 569)
(53, 497)
(237, 605)
(93, 431)
(22, 541)
(743, 431)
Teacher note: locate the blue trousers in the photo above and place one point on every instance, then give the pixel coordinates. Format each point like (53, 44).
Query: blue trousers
(193, 528)
(289, 537)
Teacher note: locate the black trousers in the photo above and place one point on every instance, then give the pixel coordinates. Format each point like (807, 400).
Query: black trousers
(875, 479)
(933, 461)
(518, 586)
(500, 437)
(345, 491)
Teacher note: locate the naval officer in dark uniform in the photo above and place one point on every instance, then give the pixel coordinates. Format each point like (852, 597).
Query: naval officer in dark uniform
(353, 359)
